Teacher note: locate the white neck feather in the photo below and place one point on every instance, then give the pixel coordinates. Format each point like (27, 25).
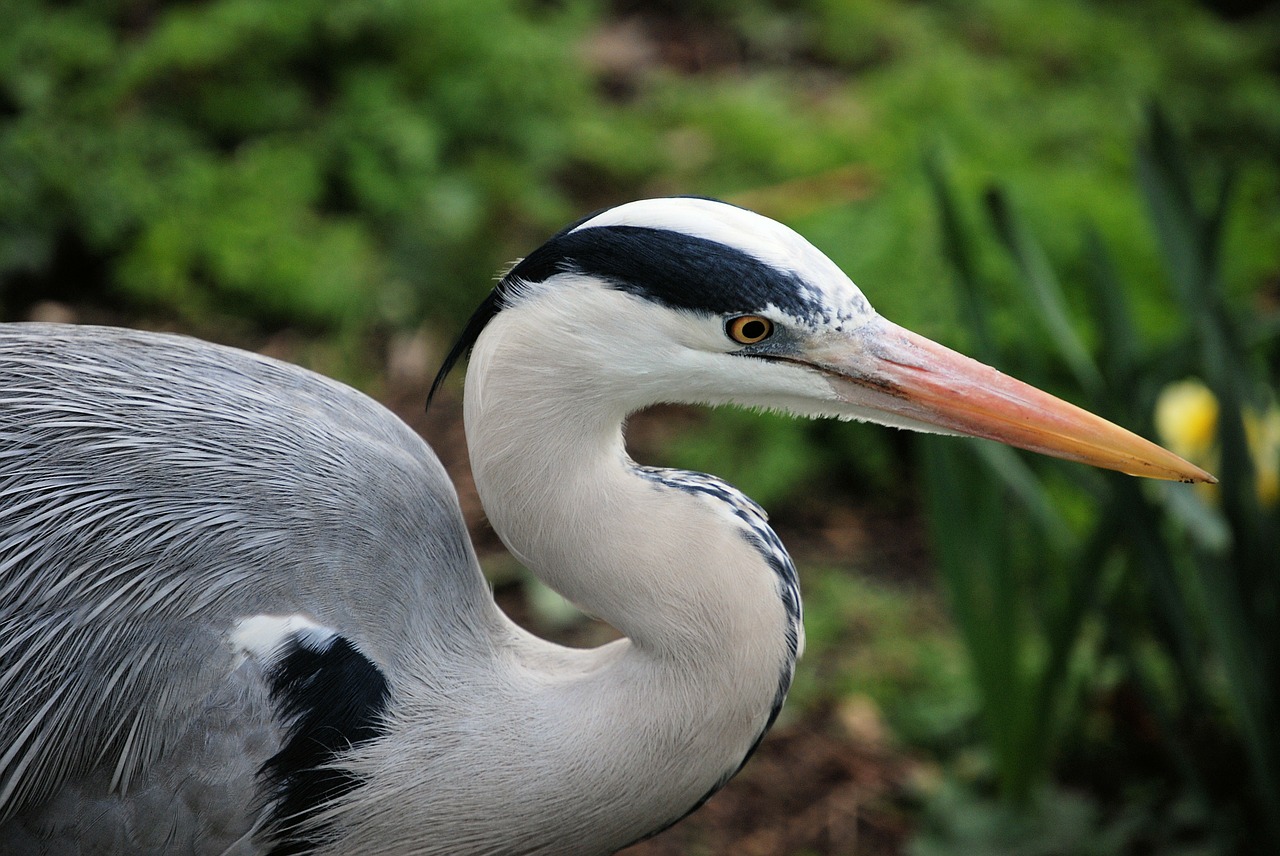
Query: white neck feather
(675, 707)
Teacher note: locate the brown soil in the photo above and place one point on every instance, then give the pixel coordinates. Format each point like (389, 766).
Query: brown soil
(807, 790)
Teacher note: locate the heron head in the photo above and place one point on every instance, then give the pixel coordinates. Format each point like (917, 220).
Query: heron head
(698, 301)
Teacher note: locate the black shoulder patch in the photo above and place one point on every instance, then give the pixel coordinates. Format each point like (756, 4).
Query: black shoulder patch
(333, 698)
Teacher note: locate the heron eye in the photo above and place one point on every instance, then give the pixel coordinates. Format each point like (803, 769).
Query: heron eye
(749, 329)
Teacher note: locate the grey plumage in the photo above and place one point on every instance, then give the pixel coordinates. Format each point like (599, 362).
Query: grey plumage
(144, 479)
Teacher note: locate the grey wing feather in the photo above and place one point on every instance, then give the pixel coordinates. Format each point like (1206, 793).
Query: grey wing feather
(155, 489)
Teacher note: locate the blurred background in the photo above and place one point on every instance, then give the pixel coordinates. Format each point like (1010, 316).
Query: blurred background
(1006, 655)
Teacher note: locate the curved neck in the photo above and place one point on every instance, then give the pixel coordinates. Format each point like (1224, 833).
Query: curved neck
(712, 627)
(674, 571)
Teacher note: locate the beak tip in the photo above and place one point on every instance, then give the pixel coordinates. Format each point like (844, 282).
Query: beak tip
(1186, 472)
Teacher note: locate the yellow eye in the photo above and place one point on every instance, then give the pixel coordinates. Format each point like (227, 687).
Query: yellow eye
(748, 329)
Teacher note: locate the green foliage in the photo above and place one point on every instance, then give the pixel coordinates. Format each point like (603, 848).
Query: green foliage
(769, 456)
(350, 162)
(1175, 592)
(1234, 583)
(1062, 823)
(888, 644)
(326, 162)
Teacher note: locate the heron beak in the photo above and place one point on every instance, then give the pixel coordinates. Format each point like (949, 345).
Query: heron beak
(920, 383)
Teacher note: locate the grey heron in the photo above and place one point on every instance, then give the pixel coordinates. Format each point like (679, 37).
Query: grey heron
(240, 613)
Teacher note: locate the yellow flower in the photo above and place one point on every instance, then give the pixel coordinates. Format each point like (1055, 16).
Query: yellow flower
(1186, 418)
(1263, 433)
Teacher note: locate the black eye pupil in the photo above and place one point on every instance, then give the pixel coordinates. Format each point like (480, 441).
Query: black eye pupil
(753, 330)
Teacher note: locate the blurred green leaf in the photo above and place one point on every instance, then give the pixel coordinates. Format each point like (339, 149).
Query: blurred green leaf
(1190, 612)
(1044, 290)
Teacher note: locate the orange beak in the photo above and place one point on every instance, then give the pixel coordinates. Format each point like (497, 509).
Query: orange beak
(920, 384)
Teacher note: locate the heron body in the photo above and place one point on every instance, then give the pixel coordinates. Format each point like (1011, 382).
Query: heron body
(239, 611)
